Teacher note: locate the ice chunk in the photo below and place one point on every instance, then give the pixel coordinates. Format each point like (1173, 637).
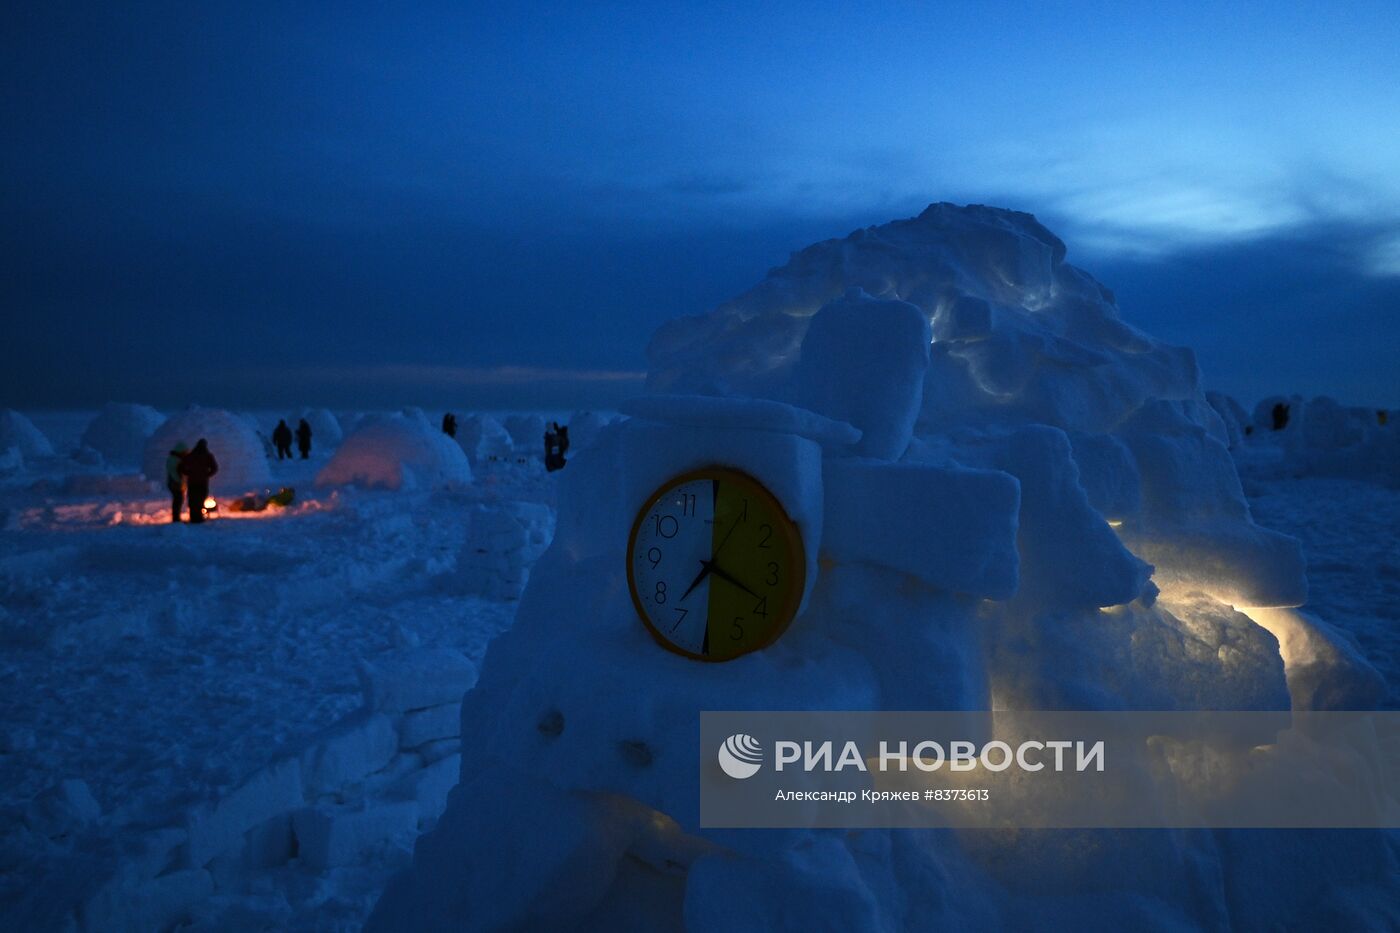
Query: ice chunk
(429, 786)
(396, 453)
(273, 790)
(863, 362)
(416, 678)
(953, 528)
(63, 809)
(504, 540)
(1326, 670)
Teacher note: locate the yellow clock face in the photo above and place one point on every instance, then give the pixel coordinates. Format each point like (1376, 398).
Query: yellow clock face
(716, 567)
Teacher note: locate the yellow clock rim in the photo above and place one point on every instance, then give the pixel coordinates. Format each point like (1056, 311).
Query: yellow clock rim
(789, 531)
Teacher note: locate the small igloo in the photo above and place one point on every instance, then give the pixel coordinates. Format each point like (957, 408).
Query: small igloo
(483, 438)
(236, 447)
(19, 432)
(120, 430)
(397, 452)
(326, 432)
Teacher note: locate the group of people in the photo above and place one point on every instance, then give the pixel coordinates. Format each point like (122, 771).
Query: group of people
(282, 439)
(556, 441)
(187, 475)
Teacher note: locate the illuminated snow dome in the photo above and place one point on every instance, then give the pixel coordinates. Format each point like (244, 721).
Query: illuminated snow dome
(235, 446)
(19, 432)
(120, 430)
(1008, 498)
(397, 452)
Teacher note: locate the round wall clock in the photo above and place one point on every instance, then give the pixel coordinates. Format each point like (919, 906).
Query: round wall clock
(715, 565)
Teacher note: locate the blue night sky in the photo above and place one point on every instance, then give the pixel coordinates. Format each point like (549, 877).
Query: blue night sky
(492, 205)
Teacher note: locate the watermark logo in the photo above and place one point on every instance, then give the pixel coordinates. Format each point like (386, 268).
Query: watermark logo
(740, 756)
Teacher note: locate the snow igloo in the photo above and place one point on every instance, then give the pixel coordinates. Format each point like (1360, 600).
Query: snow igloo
(19, 432)
(119, 432)
(326, 433)
(483, 438)
(397, 452)
(1009, 497)
(240, 454)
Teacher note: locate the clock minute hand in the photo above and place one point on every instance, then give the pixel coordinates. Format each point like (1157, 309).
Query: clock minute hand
(730, 578)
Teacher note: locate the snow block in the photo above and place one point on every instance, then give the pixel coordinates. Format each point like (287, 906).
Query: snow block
(424, 725)
(428, 787)
(483, 438)
(330, 836)
(863, 362)
(159, 904)
(416, 678)
(503, 542)
(273, 790)
(953, 528)
(788, 465)
(347, 751)
(754, 414)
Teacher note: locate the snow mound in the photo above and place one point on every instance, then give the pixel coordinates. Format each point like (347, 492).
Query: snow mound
(1237, 422)
(326, 432)
(120, 430)
(503, 542)
(19, 432)
(1007, 497)
(584, 428)
(236, 446)
(397, 452)
(483, 438)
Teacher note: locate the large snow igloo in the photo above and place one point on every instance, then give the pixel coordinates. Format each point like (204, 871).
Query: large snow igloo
(1010, 499)
(240, 454)
(397, 452)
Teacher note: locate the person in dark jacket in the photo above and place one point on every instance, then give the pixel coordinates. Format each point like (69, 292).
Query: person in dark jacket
(1280, 415)
(282, 437)
(304, 439)
(553, 451)
(174, 481)
(198, 467)
(449, 424)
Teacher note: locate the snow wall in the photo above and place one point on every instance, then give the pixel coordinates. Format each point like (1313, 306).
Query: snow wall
(240, 454)
(397, 452)
(1010, 498)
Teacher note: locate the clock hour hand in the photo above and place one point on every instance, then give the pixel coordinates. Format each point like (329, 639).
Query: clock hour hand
(705, 568)
(730, 578)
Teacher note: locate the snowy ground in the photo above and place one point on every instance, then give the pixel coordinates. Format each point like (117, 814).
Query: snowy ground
(161, 664)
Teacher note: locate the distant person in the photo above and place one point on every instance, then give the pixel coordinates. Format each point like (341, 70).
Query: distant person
(1382, 416)
(304, 438)
(553, 451)
(563, 436)
(449, 424)
(1280, 414)
(174, 481)
(198, 467)
(282, 437)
